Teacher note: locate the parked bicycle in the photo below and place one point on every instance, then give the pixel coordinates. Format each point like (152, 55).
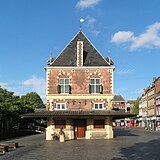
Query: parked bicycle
(55, 136)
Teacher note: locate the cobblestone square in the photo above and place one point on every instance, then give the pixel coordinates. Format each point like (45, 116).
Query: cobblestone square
(129, 144)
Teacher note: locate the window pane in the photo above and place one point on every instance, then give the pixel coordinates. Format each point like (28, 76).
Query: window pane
(92, 88)
(96, 106)
(100, 106)
(97, 88)
(58, 106)
(67, 89)
(66, 81)
(92, 81)
(97, 81)
(62, 89)
(61, 81)
(63, 106)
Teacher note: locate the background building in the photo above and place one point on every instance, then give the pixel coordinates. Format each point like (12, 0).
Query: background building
(118, 103)
(149, 106)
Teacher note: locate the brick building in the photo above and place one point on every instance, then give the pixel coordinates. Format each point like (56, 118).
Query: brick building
(157, 95)
(150, 106)
(118, 103)
(79, 91)
(143, 111)
(80, 80)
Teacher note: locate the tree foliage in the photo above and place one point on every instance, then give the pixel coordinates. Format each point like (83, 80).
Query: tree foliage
(11, 106)
(136, 106)
(32, 100)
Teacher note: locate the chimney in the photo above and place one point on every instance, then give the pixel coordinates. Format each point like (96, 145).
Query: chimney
(79, 53)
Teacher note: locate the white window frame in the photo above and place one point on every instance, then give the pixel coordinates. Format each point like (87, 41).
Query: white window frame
(95, 85)
(98, 106)
(65, 108)
(63, 92)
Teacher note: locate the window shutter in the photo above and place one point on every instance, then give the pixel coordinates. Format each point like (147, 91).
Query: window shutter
(101, 89)
(89, 88)
(59, 89)
(69, 89)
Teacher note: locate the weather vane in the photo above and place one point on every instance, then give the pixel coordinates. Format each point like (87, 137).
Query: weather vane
(81, 21)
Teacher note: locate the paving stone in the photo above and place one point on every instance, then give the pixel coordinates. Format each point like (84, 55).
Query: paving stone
(129, 144)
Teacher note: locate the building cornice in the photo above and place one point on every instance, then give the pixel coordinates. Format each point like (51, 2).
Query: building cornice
(80, 68)
(79, 96)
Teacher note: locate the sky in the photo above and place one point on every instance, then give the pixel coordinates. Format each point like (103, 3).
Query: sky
(31, 30)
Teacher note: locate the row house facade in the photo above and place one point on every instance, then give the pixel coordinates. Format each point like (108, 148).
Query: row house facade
(143, 110)
(79, 92)
(149, 106)
(157, 110)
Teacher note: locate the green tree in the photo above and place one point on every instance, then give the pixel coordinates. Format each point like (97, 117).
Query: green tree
(31, 101)
(136, 106)
(11, 106)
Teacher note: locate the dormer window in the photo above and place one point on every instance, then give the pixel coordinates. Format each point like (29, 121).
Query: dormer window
(95, 85)
(64, 86)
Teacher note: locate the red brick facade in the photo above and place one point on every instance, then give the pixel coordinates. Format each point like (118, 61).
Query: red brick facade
(79, 82)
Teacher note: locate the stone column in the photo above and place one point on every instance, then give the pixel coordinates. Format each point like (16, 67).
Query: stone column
(69, 129)
(50, 128)
(89, 128)
(109, 128)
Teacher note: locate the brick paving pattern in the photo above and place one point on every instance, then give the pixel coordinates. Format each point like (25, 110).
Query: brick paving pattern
(129, 144)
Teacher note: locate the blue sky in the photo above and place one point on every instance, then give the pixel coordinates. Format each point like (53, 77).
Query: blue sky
(31, 29)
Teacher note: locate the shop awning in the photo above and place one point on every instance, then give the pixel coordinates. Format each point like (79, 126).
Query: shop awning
(78, 114)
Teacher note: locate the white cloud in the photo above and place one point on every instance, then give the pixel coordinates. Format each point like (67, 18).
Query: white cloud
(122, 36)
(150, 38)
(124, 71)
(87, 3)
(91, 25)
(33, 84)
(36, 85)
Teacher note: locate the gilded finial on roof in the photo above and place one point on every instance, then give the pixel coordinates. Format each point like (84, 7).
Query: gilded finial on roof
(81, 21)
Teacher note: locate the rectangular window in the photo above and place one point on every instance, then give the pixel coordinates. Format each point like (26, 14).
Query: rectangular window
(60, 123)
(64, 85)
(95, 85)
(99, 123)
(61, 106)
(98, 106)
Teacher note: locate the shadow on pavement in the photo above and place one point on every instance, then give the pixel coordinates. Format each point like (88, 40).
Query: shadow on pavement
(123, 132)
(141, 151)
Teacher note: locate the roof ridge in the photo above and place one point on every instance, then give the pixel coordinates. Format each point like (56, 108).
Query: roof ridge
(63, 59)
(95, 48)
(64, 48)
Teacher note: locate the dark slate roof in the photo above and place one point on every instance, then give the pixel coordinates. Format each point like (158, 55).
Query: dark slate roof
(91, 57)
(118, 98)
(77, 114)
